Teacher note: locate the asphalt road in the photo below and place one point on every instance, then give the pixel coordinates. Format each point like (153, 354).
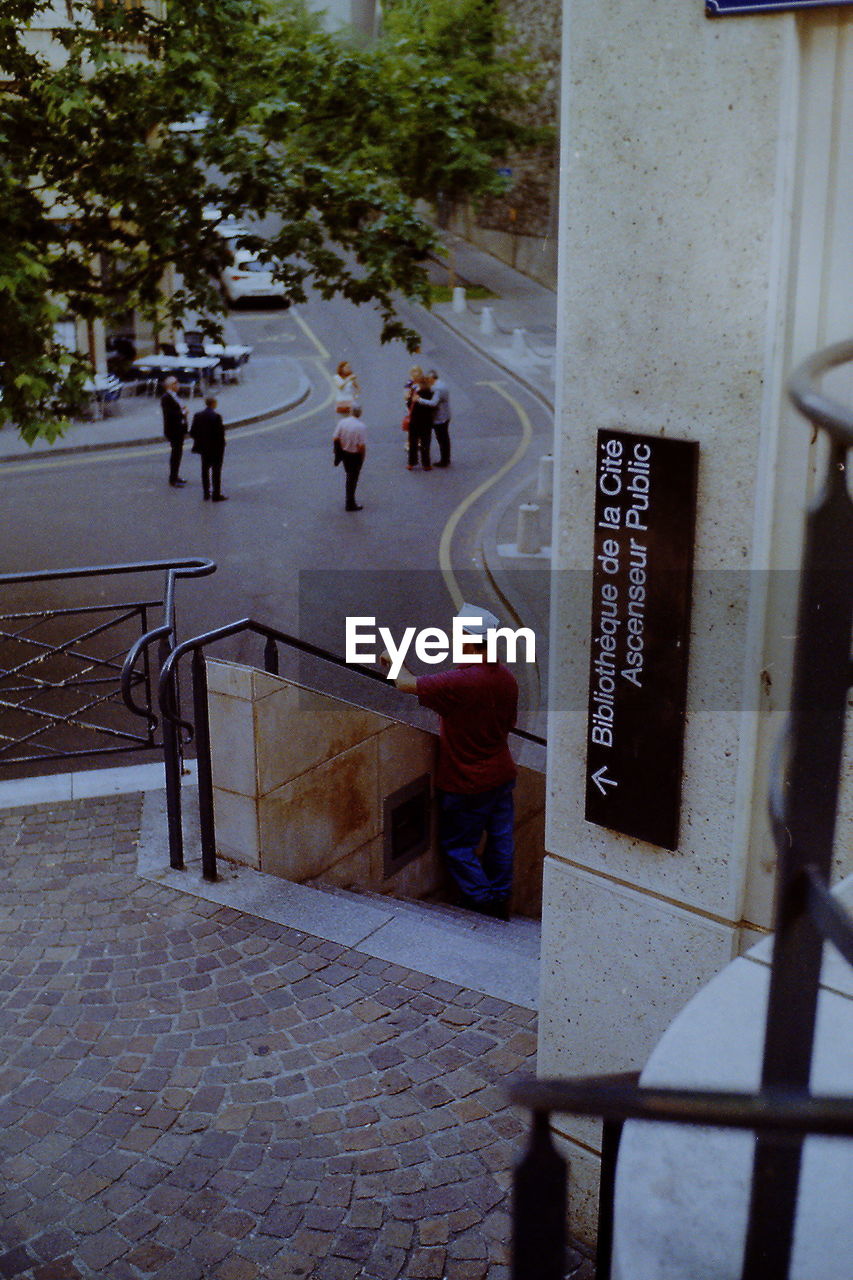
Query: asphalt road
(287, 552)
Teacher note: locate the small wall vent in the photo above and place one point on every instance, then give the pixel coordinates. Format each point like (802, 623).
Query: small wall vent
(407, 823)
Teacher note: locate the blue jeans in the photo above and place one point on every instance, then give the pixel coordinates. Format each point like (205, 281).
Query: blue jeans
(462, 821)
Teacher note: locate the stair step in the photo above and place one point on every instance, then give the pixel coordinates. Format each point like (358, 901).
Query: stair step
(473, 952)
(520, 933)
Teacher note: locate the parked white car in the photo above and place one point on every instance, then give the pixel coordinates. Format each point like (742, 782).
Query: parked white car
(248, 276)
(231, 229)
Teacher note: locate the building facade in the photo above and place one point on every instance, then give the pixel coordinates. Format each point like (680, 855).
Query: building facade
(706, 248)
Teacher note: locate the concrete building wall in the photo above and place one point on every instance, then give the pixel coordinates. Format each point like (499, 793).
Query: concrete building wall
(705, 248)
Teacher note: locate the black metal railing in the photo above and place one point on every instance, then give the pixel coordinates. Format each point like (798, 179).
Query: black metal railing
(62, 668)
(58, 682)
(803, 806)
(199, 728)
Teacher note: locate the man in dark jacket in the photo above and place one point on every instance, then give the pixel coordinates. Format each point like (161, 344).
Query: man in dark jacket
(441, 417)
(174, 429)
(208, 433)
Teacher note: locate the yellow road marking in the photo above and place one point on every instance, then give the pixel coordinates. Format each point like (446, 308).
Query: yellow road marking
(309, 333)
(451, 526)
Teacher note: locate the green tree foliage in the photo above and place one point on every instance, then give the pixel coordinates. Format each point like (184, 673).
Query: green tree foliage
(98, 196)
(464, 88)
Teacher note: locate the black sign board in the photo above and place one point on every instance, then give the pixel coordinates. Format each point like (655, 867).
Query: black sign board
(725, 8)
(645, 515)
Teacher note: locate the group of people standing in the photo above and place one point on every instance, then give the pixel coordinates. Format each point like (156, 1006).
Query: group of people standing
(427, 410)
(427, 404)
(207, 433)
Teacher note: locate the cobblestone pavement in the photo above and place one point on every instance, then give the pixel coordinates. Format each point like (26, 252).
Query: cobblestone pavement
(187, 1091)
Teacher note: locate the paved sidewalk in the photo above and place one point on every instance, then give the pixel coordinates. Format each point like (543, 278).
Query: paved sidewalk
(188, 1091)
(520, 304)
(268, 385)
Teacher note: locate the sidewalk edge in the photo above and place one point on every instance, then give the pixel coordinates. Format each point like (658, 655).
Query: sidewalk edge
(65, 451)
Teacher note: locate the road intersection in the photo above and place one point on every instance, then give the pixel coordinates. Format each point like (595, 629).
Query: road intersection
(286, 551)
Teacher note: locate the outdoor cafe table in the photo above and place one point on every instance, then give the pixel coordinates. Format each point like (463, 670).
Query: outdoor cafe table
(167, 364)
(104, 388)
(233, 349)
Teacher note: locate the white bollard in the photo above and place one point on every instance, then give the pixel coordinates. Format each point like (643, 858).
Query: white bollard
(528, 540)
(459, 303)
(518, 345)
(487, 320)
(545, 479)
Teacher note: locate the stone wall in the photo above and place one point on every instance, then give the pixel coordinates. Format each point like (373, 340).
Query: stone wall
(300, 780)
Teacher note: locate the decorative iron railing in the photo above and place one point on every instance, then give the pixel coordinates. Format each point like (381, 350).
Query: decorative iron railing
(62, 668)
(59, 676)
(803, 806)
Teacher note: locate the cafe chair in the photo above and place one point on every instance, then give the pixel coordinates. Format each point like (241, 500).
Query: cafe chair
(194, 341)
(189, 381)
(229, 368)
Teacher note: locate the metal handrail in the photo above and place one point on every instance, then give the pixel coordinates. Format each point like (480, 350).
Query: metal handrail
(541, 1177)
(176, 567)
(234, 628)
(196, 567)
(781, 1111)
(283, 637)
(186, 566)
(819, 408)
(170, 710)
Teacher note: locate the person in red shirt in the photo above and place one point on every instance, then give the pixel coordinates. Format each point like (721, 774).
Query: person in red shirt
(478, 705)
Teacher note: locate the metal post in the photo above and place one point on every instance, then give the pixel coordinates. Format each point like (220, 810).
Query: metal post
(271, 656)
(818, 704)
(203, 765)
(610, 1138)
(539, 1208)
(172, 764)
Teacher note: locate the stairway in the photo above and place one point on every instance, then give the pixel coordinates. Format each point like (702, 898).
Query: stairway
(495, 957)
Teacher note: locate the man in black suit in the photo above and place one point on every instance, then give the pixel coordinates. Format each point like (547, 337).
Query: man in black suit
(174, 429)
(208, 433)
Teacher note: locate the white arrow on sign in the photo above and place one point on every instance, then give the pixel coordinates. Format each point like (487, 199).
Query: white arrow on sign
(602, 781)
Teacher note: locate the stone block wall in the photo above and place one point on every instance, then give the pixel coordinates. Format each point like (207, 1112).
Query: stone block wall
(300, 780)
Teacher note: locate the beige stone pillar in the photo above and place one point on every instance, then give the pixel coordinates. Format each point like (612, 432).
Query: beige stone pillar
(706, 172)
